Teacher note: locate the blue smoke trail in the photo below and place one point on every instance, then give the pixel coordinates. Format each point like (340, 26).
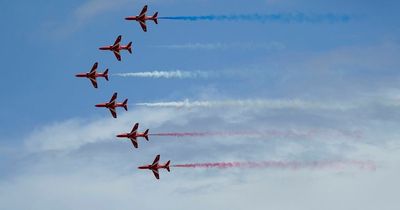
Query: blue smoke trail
(286, 18)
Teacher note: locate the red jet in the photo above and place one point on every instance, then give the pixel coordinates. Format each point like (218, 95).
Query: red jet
(142, 18)
(92, 75)
(112, 105)
(117, 47)
(134, 134)
(155, 166)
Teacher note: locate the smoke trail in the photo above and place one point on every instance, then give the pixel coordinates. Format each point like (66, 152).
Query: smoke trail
(294, 165)
(268, 133)
(225, 46)
(165, 74)
(280, 17)
(267, 104)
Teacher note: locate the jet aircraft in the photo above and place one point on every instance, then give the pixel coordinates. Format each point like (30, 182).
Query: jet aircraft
(142, 18)
(133, 135)
(117, 47)
(112, 105)
(155, 166)
(92, 75)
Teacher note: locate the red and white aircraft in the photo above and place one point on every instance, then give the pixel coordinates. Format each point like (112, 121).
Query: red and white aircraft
(112, 105)
(117, 47)
(133, 135)
(142, 18)
(92, 75)
(155, 166)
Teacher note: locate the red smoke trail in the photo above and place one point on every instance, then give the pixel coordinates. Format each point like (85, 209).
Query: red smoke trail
(269, 133)
(294, 165)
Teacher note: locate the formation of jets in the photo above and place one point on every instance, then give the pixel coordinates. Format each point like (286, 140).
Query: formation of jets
(112, 105)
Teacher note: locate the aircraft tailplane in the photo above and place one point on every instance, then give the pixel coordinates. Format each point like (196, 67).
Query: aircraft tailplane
(155, 17)
(167, 166)
(129, 47)
(146, 134)
(125, 104)
(106, 74)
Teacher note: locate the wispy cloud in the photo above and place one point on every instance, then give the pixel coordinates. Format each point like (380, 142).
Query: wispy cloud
(83, 14)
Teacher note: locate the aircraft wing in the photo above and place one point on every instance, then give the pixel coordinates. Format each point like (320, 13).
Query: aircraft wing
(143, 12)
(94, 68)
(118, 40)
(117, 55)
(113, 112)
(135, 127)
(143, 25)
(112, 100)
(94, 82)
(155, 162)
(134, 142)
(156, 174)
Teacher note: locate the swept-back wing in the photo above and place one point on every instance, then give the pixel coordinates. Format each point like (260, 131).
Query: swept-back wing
(94, 68)
(112, 100)
(143, 12)
(118, 40)
(156, 174)
(134, 142)
(94, 81)
(113, 112)
(155, 162)
(117, 55)
(143, 25)
(135, 127)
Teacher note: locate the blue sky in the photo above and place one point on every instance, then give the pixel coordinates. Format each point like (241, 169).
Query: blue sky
(55, 144)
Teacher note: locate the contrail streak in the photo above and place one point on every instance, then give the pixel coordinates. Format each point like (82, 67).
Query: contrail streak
(294, 165)
(267, 104)
(178, 74)
(279, 17)
(258, 134)
(225, 46)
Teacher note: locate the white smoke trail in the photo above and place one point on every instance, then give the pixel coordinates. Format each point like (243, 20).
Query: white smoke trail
(178, 74)
(258, 103)
(225, 46)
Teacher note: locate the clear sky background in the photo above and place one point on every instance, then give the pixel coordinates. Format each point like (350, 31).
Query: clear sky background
(57, 151)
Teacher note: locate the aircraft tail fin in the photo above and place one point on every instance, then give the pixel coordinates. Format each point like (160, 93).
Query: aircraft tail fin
(167, 166)
(155, 17)
(106, 74)
(125, 104)
(146, 134)
(129, 47)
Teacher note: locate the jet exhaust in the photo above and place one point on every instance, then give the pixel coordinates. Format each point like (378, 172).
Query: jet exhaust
(267, 133)
(178, 74)
(279, 17)
(292, 165)
(256, 103)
